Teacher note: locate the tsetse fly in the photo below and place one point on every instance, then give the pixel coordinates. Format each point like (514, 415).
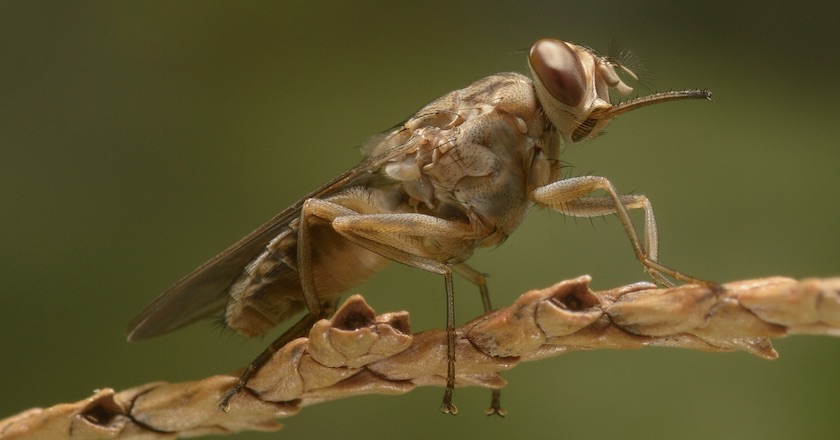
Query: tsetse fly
(460, 174)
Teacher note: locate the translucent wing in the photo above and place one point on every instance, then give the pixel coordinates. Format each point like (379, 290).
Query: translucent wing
(204, 292)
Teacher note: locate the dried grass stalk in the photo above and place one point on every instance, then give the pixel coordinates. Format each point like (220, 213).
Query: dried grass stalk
(357, 352)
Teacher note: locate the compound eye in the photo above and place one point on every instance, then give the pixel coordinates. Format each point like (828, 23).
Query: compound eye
(559, 70)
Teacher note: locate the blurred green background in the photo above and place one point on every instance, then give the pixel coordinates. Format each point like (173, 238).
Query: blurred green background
(137, 139)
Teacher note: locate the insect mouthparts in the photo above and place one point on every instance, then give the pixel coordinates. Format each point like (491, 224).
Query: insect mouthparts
(642, 101)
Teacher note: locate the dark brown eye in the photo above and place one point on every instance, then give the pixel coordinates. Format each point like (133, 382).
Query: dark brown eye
(559, 70)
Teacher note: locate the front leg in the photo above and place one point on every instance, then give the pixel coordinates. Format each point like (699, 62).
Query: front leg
(569, 196)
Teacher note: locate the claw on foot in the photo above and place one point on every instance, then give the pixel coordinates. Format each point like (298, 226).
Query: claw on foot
(224, 402)
(449, 408)
(495, 405)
